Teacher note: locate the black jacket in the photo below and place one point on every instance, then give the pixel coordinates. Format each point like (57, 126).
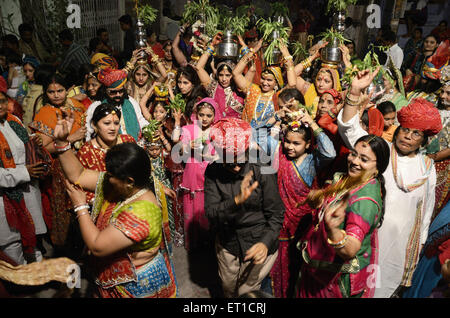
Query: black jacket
(259, 219)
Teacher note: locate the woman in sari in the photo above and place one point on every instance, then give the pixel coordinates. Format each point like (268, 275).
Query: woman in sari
(262, 100)
(299, 163)
(124, 233)
(222, 88)
(55, 101)
(340, 248)
(106, 124)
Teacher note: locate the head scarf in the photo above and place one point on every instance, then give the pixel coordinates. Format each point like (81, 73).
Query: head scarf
(376, 122)
(112, 78)
(31, 60)
(3, 85)
(434, 64)
(104, 61)
(394, 76)
(231, 135)
(276, 72)
(213, 103)
(336, 95)
(422, 115)
(334, 77)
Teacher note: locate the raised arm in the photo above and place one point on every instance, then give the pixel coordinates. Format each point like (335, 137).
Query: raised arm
(177, 53)
(289, 64)
(314, 52)
(144, 100)
(74, 171)
(238, 77)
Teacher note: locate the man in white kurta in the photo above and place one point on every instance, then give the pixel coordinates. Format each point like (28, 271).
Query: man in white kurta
(401, 207)
(10, 240)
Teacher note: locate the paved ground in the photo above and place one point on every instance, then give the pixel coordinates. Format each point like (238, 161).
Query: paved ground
(196, 275)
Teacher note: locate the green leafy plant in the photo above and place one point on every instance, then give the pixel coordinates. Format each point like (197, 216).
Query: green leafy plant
(278, 9)
(147, 14)
(339, 5)
(178, 103)
(236, 24)
(299, 52)
(370, 62)
(149, 130)
(329, 35)
(194, 9)
(268, 27)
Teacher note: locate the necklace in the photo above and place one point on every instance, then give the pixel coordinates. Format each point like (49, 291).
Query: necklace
(128, 200)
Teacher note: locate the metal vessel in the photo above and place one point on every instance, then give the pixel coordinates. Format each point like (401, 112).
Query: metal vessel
(229, 47)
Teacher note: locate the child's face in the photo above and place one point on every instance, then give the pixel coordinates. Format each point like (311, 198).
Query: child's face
(389, 120)
(159, 113)
(154, 151)
(295, 145)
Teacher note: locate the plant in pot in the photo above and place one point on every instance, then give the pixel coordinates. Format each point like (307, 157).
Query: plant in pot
(332, 54)
(204, 19)
(146, 15)
(274, 33)
(299, 52)
(232, 26)
(339, 7)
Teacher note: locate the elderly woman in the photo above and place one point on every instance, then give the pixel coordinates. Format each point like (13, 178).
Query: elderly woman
(124, 233)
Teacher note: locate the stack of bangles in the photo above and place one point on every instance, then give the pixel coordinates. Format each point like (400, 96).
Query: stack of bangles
(129, 67)
(62, 149)
(210, 50)
(244, 51)
(351, 102)
(156, 59)
(80, 208)
(307, 63)
(341, 243)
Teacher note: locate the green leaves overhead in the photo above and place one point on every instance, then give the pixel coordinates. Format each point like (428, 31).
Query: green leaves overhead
(278, 9)
(147, 14)
(236, 24)
(339, 5)
(267, 28)
(178, 103)
(149, 130)
(330, 34)
(299, 52)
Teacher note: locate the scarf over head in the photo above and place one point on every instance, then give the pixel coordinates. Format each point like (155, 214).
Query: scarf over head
(276, 72)
(434, 64)
(112, 78)
(336, 95)
(376, 122)
(213, 103)
(422, 115)
(104, 61)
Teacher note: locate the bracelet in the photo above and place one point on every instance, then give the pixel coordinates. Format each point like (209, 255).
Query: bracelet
(62, 149)
(350, 102)
(210, 51)
(288, 58)
(177, 128)
(277, 118)
(182, 30)
(81, 207)
(82, 213)
(317, 131)
(339, 244)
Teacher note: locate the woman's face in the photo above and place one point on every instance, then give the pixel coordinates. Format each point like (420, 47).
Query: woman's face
(184, 85)
(159, 113)
(57, 94)
(268, 82)
(389, 120)
(323, 82)
(326, 103)
(430, 44)
(362, 160)
(141, 77)
(28, 70)
(225, 78)
(108, 128)
(206, 116)
(294, 145)
(93, 86)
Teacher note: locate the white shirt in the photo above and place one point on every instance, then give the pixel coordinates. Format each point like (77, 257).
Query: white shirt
(137, 109)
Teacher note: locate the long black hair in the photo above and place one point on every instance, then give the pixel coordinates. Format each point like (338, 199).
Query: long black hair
(381, 150)
(55, 78)
(128, 160)
(102, 111)
(197, 91)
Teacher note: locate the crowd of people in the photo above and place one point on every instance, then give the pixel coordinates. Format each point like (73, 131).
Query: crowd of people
(303, 184)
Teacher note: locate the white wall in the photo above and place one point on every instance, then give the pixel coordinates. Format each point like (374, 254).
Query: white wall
(11, 7)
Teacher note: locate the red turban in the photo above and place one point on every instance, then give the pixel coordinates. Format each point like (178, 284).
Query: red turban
(3, 85)
(376, 122)
(336, 95)
(232, 135)
(112, 78)
(422, 115)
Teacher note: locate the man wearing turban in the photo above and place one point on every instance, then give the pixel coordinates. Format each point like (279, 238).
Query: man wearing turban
(244, 206)
(132, 120)
(410, 181)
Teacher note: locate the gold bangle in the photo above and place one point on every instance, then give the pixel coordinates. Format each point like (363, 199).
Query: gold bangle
(339, 244)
